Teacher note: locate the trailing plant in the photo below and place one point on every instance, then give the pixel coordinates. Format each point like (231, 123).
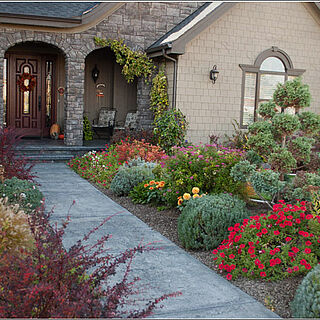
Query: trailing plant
(128, 177)
(21, 192)
(204, 221)
(170, 129)
(15, 232)
(306, 302)
(270, 246)
(14, 166)
(159, 100)
(135, 63)
(87, 129)
(53, 282)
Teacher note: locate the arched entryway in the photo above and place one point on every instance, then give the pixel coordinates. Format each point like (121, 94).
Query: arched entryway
(34, 82)
(109, 89)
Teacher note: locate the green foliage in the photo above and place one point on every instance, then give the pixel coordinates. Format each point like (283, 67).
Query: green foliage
(293, 94)
(310, 122)
(135, 63)
(127, 178)
(300, 147)
(260, 127)
(254, 158)
(170, 128)
(267, 110)
(21, 192)
(262, 143)
(306, 302)
(282, 160)
(204, 221)
(238, 138)
(87, 129)
(159, 100)
(285, 124)
(242, 170)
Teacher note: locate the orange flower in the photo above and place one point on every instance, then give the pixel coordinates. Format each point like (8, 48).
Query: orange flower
(179, 197)
(151, 188)
(195, 196)
(180, 202)
(161, 184)
(152, 182)
(195, 190)
(146, 185)
(186, 196)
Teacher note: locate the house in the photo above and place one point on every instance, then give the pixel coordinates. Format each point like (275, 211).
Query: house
(48, 57)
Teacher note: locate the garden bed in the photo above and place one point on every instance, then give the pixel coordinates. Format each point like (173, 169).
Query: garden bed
(275, 295)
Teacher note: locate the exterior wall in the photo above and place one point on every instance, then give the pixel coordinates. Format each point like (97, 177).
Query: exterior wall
(138, 23)
(238, 37)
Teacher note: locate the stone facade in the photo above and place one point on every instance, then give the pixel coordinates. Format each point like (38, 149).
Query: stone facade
(238, 37)
(138, 23)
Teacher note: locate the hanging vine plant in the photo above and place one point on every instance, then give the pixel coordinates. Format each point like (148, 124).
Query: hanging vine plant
(135, 63)
(31, 82)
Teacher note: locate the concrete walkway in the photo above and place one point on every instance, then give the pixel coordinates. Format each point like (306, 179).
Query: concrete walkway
(204, 293)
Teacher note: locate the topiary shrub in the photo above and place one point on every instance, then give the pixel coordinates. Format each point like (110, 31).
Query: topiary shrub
(204, 221)
(23, 192)
(306, 303)
(127, 178)
(15, 232)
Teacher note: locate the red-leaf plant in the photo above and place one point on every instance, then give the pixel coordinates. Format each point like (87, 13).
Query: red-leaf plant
(14, 166)
(54, 282)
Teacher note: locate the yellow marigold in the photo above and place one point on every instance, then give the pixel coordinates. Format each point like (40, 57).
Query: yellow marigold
(161, 184)
(195, 190)
(186, 196)
(152, 182)
(146, 185)
(151, 188)
(180, 202)
(195, 196)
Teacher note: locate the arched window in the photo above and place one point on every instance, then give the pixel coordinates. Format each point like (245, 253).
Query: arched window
(259, 81)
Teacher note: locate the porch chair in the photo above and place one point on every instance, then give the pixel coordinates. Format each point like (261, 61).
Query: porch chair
(106, 121)
(130, 122)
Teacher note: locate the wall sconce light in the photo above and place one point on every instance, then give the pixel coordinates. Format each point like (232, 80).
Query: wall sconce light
(95, 73)
(214, 74)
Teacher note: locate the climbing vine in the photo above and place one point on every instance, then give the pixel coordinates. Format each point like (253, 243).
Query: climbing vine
(87, 129)
(135, 63)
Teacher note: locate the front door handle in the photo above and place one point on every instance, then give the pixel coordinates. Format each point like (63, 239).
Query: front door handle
(39, 103)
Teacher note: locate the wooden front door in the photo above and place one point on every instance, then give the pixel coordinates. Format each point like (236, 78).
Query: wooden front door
(31, 102)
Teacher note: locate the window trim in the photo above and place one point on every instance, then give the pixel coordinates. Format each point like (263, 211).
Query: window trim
(255, 68)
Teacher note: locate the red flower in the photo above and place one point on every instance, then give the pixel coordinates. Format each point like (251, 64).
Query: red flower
(272, 262)
(295, 268)
(242, 245)
(222, 255)
(277, 260)
(308, 243)
(257, 262)
(250, 243)
(289, 270)
(309, 216)
(298, 221)
(307, 250)
(263, 274)
(295, 249)
(215, 251)
(261, 266)
(229, 276)
(303, 261)
(244, 270)
(230, 229)
(276, 232)
(231, 256)
(251, 250)
(288, 239)
(264, 231)
(272, 252)
(308, 266)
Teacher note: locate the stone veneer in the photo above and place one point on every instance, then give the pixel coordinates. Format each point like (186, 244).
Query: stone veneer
(138, 23)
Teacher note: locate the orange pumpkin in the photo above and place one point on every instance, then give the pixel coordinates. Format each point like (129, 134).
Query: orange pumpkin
(54, 131)
(61, 136)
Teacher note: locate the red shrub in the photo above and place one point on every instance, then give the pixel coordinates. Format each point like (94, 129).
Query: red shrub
(54, 282)
(138, 149)
(13, 166)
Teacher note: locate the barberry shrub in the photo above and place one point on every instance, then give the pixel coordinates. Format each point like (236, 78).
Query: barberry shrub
(15, 233)
(204, 221)
(14, 166)
(52, 282)
(22, 192)
(306, 302)
(273, 246)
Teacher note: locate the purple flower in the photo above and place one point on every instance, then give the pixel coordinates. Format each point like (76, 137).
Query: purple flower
(191, 177)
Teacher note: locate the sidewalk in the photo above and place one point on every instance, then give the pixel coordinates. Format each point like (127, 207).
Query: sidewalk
(204, 293)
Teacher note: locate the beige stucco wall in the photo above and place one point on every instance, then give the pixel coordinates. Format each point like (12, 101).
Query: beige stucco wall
(238, 37)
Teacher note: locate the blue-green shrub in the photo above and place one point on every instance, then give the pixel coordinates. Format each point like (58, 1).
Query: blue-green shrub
(127, 178)
(204, 221)
(306, 303)
(23, 192)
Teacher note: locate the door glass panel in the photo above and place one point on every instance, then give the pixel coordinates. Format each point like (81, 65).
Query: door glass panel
(26, 101)
(4, 93)
(249, 98)
(48, 92)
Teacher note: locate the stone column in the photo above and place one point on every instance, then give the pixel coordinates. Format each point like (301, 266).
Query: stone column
(145, 115)
(74, 101)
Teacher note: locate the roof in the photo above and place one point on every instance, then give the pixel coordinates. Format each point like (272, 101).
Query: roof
(175, 40)
(48, 9)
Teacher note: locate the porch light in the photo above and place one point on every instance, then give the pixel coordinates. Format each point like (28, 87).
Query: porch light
(95, 73)
(214, 74)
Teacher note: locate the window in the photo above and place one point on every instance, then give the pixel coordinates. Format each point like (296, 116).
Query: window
(259, 81)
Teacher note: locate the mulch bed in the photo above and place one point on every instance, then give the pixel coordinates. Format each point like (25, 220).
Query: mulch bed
(275, 295)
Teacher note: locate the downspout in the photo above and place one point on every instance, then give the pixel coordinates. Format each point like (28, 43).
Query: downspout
(174, 89)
